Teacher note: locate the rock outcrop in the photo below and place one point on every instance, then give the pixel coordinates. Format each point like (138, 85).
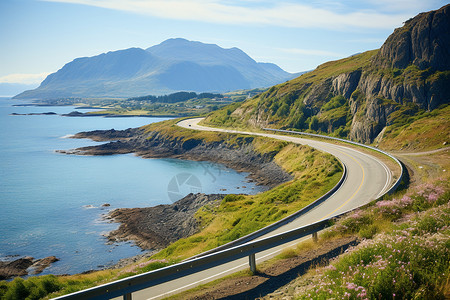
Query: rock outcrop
(24, 266)
(423, 45)
(423, 41)
(154, 228)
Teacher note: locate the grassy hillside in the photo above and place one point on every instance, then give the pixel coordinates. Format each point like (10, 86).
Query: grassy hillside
(403, 253)
(283, 105)
(316, 102)
(420, 130)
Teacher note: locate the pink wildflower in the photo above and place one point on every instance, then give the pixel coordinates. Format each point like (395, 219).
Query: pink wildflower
(351, 286)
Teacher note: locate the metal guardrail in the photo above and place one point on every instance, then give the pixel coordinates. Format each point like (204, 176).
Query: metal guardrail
(125, 287)
(251, 236)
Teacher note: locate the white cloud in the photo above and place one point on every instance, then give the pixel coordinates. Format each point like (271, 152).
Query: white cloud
(283, 14)
(24, 78)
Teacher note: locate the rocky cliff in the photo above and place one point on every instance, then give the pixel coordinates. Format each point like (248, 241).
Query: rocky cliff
(357, 97)
(423, 41)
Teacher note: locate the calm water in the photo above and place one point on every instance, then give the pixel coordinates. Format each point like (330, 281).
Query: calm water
(51, 203)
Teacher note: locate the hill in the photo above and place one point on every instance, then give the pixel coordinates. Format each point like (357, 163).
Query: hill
(365, 96)
(174, 65)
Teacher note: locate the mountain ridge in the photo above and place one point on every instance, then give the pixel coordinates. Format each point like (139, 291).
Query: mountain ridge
(173, 65)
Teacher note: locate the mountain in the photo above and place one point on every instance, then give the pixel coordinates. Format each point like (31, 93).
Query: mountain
(173, 65)
(364, 96)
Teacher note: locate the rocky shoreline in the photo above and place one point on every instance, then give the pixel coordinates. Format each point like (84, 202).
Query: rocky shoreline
(154, 228)
(24, 266)
(241, 157)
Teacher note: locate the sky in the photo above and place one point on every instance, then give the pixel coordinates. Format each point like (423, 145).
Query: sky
(37, 37)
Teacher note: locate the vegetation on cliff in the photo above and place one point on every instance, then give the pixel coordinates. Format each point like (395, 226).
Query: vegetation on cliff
(398, 92)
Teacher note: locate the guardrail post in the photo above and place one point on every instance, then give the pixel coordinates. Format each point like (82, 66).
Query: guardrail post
(127, 296)
(314, 237)
(252, 262)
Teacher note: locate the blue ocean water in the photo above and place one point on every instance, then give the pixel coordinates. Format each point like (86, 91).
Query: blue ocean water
(50, 203)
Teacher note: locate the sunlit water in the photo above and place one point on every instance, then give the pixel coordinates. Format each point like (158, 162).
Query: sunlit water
(50, 203)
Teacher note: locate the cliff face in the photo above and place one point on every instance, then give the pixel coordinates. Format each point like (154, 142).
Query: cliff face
(423, 41)
(356, 97)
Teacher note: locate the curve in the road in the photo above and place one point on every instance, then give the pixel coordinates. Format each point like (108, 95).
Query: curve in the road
(367, 179)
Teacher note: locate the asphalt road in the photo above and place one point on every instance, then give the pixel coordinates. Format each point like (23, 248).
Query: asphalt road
(367, 179)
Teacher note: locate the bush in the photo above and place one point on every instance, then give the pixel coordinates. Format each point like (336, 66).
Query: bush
(32, 288)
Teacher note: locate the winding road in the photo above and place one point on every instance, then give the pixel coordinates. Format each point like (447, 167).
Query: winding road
(367, 179)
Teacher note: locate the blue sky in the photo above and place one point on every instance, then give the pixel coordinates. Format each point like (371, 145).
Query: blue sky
(39, 36)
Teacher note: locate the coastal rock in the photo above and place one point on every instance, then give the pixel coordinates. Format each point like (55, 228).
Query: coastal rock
(40, 264)
(24, 266)
(107, 135)
(156, 227)
(80, 114)
(35, 114)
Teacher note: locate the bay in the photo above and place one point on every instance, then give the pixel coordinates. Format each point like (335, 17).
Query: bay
(51, 204)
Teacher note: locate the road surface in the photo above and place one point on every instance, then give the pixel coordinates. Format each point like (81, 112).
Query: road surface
(368, 178)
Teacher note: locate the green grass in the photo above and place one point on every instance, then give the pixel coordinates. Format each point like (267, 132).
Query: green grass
(414, 129)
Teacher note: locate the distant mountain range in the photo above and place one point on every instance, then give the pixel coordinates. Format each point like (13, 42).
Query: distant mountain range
(174, 65)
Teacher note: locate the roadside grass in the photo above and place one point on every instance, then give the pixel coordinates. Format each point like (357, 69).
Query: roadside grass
(49, 286)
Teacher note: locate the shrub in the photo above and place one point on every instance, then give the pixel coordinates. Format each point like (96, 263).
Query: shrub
(32, 288)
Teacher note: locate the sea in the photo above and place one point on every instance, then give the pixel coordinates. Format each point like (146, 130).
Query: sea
(53, 203)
